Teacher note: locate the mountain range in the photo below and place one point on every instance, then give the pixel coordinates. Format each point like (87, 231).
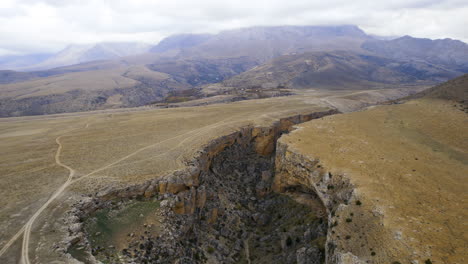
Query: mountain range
(73, 54)
(336, 70)
(110, 75)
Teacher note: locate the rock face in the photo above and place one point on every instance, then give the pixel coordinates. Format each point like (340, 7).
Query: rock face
(245, 199)
(221, 209)
(296, 171)
(392, 177)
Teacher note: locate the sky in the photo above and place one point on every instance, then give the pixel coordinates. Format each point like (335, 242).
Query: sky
(40, 26)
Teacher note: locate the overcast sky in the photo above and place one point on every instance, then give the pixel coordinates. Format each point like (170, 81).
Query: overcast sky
(28, 26)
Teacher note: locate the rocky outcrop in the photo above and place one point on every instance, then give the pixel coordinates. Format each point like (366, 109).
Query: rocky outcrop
(348, 220)
(294, 171)
(391, 177)
(216, 206)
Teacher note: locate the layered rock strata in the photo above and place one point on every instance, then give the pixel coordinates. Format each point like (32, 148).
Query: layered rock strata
(220, 208)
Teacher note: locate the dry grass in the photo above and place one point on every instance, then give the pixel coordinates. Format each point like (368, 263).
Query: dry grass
(409, 163)
(113, 148)
(90, 81)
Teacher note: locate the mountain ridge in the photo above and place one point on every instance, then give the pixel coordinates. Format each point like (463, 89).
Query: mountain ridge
(256, 58)
(333, 70)
(448, 52)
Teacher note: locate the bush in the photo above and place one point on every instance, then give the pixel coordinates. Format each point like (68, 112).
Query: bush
(428, 261)
(289, 241)
(358, 202)
(349, 220)
(210, 250)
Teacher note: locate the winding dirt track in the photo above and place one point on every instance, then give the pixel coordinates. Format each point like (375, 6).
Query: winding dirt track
(28, 226)
(26, 229)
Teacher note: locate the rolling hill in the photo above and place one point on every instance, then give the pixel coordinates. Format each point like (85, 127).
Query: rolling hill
(334, 70)
(264, 43)
(15, 62)
(282, 57)
(75, 54)
(449, 53)
(454, 90)
(71, 55)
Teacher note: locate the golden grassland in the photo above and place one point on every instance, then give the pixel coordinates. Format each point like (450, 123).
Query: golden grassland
(120, 147)
(409, 164)
(124, 146)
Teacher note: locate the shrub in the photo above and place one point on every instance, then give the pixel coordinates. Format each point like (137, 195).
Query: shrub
(348, 237)
(349, 220)
(210, 250)
(289, 241)
(358, 202)
(428, 261)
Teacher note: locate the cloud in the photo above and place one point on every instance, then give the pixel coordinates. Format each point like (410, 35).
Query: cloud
(49, 25)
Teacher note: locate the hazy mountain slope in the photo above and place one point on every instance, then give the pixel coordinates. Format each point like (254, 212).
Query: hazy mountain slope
(202, 71)
(7, 76)
(448, 52)
(191, 61)
(455, 90)
(75, 54)
(265, 43)
(15, 62)
(90, 90)
(180, 41)
(124, 82)
(334, 70)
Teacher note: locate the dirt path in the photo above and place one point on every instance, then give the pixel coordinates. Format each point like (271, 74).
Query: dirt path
(222, 122)
(26, 229)
(12, 240)
(28, 226)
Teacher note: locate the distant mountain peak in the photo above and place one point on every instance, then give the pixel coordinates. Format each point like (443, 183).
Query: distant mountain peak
(448, 52)
(180, 41)
(262, 43)
(80, 53)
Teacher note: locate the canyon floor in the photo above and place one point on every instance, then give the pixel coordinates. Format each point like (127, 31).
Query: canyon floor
(51, 163)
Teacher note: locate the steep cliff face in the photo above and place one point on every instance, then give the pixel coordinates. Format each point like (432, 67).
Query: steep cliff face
(355, 188)
(392, 177)
(348, 215)
(220, 209)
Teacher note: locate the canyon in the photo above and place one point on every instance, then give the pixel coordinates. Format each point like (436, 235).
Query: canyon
(308, 196)
(141, 150)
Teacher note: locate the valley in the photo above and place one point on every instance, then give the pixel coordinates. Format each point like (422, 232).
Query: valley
(246, 63)
(140, 146)
(261, 144)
